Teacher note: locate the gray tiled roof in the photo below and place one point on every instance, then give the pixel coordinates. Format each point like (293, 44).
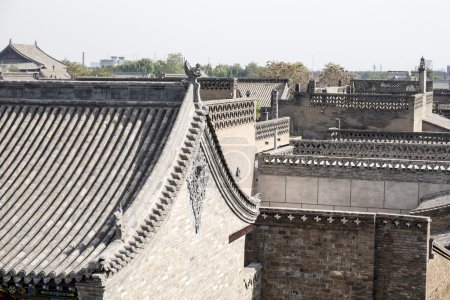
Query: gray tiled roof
(36, 54)
(64, 170)
(433, 202)
(261, 89)
(53, 68)
(74, 152)
(438, 120)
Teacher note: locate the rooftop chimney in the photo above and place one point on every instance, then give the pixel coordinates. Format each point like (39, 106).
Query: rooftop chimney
(422, 76)
(274, 105)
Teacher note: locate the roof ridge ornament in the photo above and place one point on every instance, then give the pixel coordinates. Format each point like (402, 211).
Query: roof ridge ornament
(422, 64)
(193, 73)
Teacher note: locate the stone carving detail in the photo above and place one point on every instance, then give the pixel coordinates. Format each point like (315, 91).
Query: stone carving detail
(266, 129)
(390, 136)
(231, 114)
(361, 101)
(197, 182)
(372, 150)
(252, 281)
(193, 74)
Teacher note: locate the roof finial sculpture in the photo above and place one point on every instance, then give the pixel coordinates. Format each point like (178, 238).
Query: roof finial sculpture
(193, 73)
(10, 41)
(422, 64)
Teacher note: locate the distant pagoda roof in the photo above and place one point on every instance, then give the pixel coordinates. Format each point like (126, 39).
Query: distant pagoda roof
(31, 57)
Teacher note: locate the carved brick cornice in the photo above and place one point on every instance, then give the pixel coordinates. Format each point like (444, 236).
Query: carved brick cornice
(339, 219)
(355, 168)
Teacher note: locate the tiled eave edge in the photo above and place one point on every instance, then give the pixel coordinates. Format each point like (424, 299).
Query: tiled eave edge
(246, 208)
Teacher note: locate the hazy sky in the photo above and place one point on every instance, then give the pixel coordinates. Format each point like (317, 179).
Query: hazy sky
(357, 34)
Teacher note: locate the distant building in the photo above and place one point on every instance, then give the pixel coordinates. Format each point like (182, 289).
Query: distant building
(30, 61)
(448, 70)
(112, 62)
(398, 75)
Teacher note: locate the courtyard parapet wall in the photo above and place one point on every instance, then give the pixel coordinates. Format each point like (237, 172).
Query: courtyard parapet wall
(355, 168)
(228, 113)
(388, 86)
(267, 131)
(363, 149)
(389, 102)
(114, 92)
(318, 254)
(376, 136)
(438, 277)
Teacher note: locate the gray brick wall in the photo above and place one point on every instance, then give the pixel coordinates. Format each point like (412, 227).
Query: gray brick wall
(325, 255)
(180, 264)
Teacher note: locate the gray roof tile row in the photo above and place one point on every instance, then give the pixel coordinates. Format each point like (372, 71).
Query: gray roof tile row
(64, 170)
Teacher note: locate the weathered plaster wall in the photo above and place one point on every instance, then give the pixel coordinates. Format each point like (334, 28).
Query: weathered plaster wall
(426, 126)
(438, 275)
(238, 146)
(325, 255)
(182, 264)
(343, 194)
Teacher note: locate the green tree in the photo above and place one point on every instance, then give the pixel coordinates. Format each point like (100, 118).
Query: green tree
(332, 74)
(174, 63)
(253, 70)
(295, 72)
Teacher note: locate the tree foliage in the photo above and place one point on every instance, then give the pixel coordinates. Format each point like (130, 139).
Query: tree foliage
(334, 74)
(295, 72)
(78, 70)
(371, 75)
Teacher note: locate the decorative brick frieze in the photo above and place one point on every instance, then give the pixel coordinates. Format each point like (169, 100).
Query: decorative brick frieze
(231, 113)
(371, 150)
(361, 101)
(266, 129)
(355, 168)
(337, 219)
(350, 135)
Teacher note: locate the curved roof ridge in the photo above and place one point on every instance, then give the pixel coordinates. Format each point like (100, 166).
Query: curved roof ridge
(143, 218)
(200, 133)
